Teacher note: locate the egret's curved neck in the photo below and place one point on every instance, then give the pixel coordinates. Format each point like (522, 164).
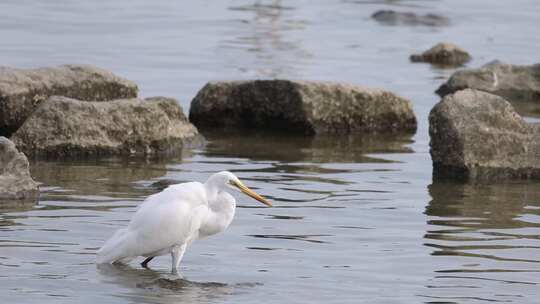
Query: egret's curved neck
(222, 208)
(218, 197)
(213, 188)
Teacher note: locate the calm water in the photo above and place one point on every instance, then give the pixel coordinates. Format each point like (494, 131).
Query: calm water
(357, 220)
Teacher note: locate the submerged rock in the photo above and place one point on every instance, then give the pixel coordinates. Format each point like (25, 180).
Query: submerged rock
(443, 53)
(302, 107)
(478, 136)
(63, 126)
(21, 91)
(15, 180)
(513, 82)
(391, 17)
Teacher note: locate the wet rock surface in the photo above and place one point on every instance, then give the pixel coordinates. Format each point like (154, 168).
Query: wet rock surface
(15, 180)
(390, 17)
(444, 54)
(63, 126)
(477, 136)
(513, 82)
(302, 107)
(21, 91)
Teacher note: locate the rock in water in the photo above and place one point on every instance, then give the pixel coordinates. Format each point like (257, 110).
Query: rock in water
(390, 17)
(301, 106)
(15, 180)
(21, 91)
(62, 126)
(513, 82)
(444, 53)
(478, 136)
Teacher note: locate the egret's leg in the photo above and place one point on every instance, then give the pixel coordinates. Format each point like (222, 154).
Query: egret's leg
(145, 262)
(177, 253)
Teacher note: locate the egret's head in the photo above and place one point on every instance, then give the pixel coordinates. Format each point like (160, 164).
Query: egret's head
(230, 180)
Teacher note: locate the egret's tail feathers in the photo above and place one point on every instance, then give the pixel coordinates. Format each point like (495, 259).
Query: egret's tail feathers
(115, 249)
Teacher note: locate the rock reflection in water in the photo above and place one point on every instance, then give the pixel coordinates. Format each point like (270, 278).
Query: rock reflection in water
(114, 177)
(296, 148)
(482, 237)
(16, 205)
(480, 207)
(7, 206)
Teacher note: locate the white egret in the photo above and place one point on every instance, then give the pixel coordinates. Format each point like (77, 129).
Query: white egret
(168, 221)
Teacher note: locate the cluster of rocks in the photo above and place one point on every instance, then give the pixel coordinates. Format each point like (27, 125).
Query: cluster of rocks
(478, 136)
(80, 110)
(75, 110)
(22, 91)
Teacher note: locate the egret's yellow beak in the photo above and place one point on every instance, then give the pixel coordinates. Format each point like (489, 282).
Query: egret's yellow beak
(250, 193)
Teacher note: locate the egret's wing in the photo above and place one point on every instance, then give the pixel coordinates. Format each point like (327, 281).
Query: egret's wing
(170, 217)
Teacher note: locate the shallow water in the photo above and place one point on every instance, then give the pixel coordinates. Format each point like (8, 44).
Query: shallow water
(355, 219)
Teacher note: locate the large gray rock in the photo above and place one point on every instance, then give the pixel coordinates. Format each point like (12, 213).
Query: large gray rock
(62, 126)
(390, 17)
(478, 136)
(444, 53)
(21, 91)
(15, 180)
(513, 82)
(301, 106)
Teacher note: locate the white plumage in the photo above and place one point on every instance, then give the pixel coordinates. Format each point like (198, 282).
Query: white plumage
(167, 222)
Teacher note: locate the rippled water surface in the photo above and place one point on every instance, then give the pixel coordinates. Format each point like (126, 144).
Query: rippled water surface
(356, 219)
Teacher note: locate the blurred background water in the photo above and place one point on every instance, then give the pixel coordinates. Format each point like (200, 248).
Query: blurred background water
(357, 219)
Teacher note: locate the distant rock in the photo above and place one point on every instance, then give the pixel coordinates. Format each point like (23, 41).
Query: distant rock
(15, 180)
(302, 107)
(478, 136)
(445, 54)
(390, 17)
(513, 82)
(62, 126)
(21, 91)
